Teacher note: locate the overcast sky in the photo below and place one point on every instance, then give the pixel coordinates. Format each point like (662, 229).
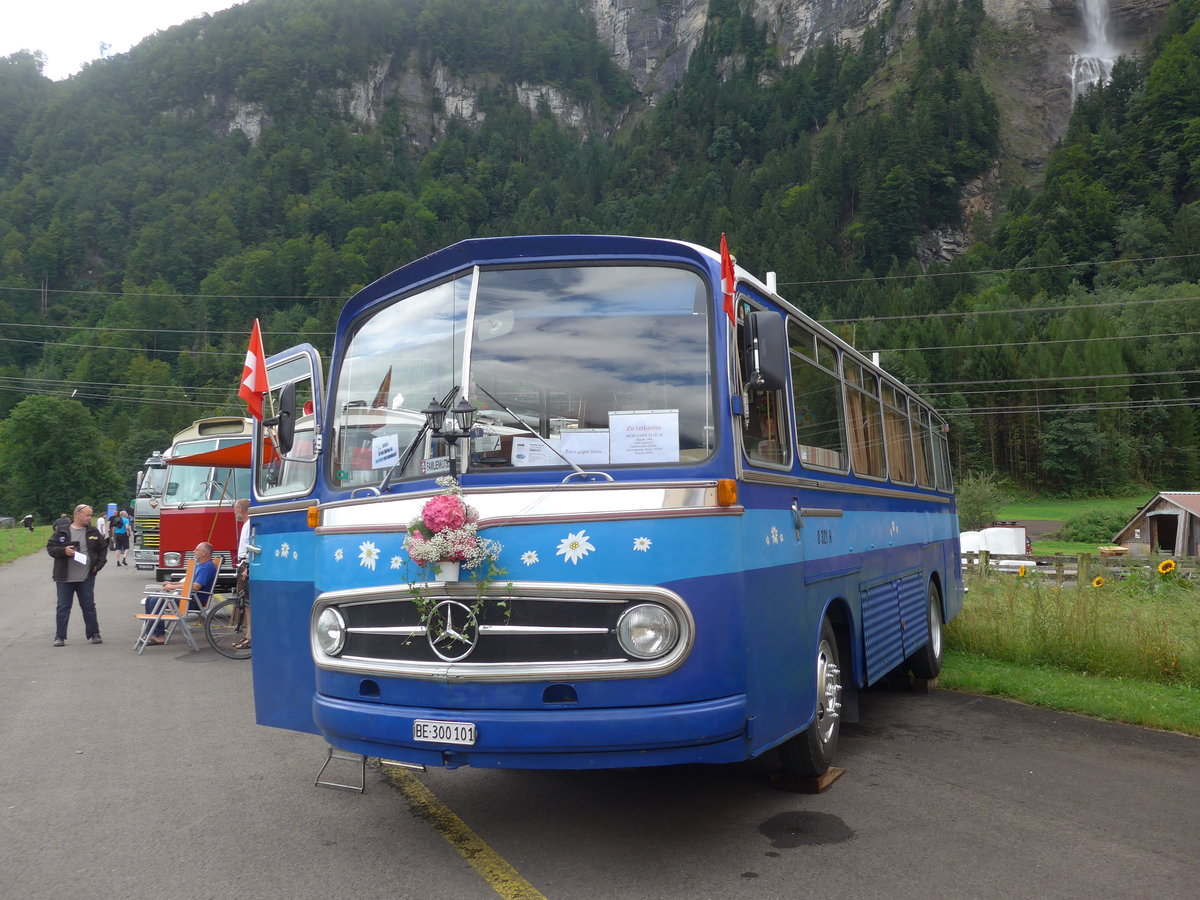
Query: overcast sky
(70, 32)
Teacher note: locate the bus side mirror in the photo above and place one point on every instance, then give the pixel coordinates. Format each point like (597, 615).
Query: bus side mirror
(285, 422)
(765, 352)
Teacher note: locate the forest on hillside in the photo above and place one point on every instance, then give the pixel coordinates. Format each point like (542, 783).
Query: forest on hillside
(139, 237)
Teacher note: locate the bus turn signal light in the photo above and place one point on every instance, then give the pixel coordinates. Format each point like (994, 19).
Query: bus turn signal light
(726, 492)
(314, 516)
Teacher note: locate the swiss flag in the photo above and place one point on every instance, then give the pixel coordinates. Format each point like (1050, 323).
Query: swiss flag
(728, 279)
(254, 375)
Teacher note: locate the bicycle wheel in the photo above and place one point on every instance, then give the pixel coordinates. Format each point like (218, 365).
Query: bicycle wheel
(225, 625)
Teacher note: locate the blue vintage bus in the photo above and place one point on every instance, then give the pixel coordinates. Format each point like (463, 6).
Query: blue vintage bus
(718, 520)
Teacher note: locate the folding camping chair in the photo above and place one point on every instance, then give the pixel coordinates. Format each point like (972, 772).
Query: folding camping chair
(172, 609)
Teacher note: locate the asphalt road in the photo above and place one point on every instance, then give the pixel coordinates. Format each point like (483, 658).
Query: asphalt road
(130, 777)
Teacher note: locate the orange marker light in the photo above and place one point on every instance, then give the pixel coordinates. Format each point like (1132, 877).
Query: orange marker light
(314, 516)
(726, 492)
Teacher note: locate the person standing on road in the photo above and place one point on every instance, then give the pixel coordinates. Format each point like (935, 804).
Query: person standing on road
(79, 552)
(120, 536)
(102, 526)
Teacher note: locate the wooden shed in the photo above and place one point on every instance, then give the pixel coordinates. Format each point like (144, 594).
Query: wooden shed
(1170, 523)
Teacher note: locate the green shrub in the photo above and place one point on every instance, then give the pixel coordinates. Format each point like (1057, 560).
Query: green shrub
(1093, 527)
(979, 500)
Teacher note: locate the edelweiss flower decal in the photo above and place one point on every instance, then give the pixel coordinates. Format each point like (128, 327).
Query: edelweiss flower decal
(642, 544)
(285, 549)
(395, 562)
(529, 557)
(574, 547)
(368, 554)
(775, 537)
(337, 554)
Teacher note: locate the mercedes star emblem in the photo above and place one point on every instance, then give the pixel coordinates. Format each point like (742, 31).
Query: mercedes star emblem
(452, 631)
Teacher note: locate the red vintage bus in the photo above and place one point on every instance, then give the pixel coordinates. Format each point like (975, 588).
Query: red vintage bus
(208, 469)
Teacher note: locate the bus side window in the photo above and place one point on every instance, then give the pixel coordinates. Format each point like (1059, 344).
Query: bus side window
(864, 421)
(816, 401)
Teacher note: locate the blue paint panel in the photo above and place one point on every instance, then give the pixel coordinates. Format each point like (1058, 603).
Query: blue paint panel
(914, 621)
(881, 632)
(503, 733)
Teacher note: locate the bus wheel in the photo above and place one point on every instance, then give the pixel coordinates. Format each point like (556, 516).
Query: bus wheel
(810, 753)
(927, 662)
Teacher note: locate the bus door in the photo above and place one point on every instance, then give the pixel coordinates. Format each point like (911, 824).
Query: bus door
(284, 570)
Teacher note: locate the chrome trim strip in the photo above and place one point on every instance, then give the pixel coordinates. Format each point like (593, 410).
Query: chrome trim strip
(266, 509)
(811, 513)
(522, 671)
(407, 630)
(540, 629)
(560, 503)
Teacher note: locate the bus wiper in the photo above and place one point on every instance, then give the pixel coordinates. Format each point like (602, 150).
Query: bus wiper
(412, 445)
(532, 433)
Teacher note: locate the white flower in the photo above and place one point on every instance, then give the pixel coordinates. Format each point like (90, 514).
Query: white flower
(776, 536)
(395, 562)
(642, 544)
(337, 554)
(529, 557)
(295, 554)
(368, 554)
(574, 547)
(286, 549)
(277, 551)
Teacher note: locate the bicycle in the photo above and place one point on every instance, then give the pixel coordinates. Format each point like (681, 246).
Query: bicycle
(225, 625)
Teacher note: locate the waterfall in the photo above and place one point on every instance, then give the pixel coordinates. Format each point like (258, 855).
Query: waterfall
(1094, 63)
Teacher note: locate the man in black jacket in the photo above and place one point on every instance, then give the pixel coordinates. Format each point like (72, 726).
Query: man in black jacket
(79, 552)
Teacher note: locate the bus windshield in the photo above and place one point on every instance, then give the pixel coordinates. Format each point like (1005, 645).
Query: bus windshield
(596, 365)
(153, 481)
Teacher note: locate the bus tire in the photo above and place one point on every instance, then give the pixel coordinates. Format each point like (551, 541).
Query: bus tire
(927, 662)
(810, 753)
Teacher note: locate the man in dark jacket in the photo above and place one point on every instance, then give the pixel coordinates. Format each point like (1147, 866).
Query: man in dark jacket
(79, 552)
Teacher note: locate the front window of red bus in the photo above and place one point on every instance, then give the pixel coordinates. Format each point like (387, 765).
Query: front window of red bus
(601, 366)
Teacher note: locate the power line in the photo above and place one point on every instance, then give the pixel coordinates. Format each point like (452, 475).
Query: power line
(919, 384)
(1064, 387)
(997, 312)
(1071, 265)
(244, 333)
(1083, 340)
(178, 294)
(1074, 407)
(237, 353)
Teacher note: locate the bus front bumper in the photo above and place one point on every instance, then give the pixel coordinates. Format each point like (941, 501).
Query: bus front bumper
(711, 731)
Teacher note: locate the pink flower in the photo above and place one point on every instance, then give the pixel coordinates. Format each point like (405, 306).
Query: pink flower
(444, 512)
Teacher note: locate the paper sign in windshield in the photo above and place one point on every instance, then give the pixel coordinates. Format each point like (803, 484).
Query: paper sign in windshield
(584, 446)
(385, 451)
(643, 436)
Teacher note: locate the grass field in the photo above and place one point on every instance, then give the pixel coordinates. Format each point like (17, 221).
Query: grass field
(1061, 510)
(1127, 651)
(18, 542)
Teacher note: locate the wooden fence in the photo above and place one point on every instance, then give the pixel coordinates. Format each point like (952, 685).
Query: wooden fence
(1061, 568)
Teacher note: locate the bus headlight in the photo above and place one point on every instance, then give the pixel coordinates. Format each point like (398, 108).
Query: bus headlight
(172, 560)
(331, 631)
(647, 630)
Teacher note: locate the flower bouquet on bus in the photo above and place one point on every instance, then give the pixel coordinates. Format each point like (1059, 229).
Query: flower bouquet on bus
(444, 538)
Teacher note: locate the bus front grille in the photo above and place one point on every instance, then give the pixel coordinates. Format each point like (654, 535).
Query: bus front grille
(526, 632)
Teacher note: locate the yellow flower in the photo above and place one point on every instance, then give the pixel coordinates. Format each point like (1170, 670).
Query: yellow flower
(1166, 567)
(1021, 571)
(1098, 581)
